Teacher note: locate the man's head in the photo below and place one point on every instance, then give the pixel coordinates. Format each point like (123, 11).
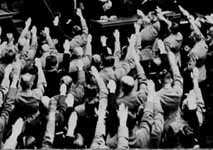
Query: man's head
(175, 28)
(127, 84)
(28, 76)
(51, 62)
(166, 78)
(108, 61)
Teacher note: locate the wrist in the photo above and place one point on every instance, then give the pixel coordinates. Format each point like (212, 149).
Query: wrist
(14, 84)
(122, 123)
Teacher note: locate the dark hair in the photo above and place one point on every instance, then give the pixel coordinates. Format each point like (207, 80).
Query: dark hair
(175, 28)
(51, 62)
(9, 56)
(30, 68)
(127, 88)
(108, 61)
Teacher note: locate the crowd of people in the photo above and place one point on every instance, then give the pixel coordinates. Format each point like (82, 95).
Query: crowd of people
(145, 94)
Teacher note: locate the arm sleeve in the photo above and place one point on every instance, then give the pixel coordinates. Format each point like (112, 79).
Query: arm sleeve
(123, 137)
(9, 104)
(142, 136)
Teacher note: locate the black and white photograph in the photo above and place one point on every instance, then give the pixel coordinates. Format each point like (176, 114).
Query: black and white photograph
(106, 74)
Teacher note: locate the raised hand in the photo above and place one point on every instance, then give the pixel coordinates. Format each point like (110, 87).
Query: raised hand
(158, 9)
(137, 27)
(28, 22)
(47, 31)
(66, 45)
(56, 21)
(63, 89)
(140, 13)
(116, 34)
(89, 38)
(79, 12)
(132, 39)
(111, 86)
(34, 30)
(103, 40)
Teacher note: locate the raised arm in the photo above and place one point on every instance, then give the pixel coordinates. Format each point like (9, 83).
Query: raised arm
(83, 21)
(88, 51)
(199, 98)
(123, 131)
(48, 37)
(178, 80)
(100, 132)
(161, 17)
(102, 88)
(6, 81)
(127, 65)
(26, 29)
(41, 83)
(142, 136)
(117, 50)
(9, 103)
(191, 20)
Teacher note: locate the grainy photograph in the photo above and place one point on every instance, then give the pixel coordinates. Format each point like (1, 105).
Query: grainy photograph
(106, 74)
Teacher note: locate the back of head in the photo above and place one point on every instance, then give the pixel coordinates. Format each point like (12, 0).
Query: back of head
(127, 83)
(29, 76)
(51, 62)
